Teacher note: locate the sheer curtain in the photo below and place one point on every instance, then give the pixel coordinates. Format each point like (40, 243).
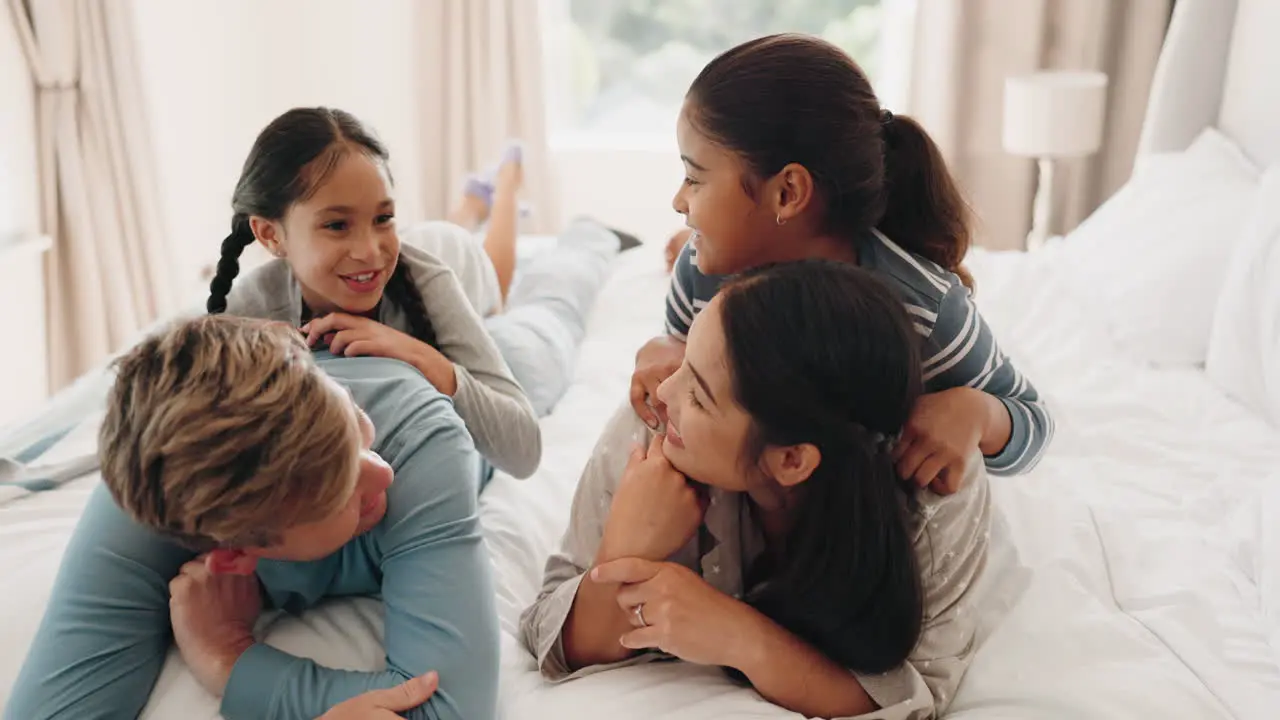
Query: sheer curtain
(481, 83)
(108, 273)
(962, 52)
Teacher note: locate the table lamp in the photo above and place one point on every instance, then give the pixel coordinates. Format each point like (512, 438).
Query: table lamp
(1048, 116)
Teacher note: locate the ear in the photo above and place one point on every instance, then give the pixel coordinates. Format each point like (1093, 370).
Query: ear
(268, 233)
(791, 465)
(230, 562)
(792, 191)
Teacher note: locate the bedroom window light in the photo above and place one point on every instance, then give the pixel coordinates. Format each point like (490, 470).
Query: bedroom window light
(616, 70)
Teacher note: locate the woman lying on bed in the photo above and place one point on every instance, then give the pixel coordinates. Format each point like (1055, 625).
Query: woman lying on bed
(767, 531)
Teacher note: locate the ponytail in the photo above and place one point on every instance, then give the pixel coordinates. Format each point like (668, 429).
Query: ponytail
(789, 98)
(924, 211)
(229, 263)
(404, 292)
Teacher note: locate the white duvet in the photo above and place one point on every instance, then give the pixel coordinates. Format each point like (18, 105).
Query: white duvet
(1136, 571)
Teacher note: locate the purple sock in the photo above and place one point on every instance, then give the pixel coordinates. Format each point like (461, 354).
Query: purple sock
(480, 188)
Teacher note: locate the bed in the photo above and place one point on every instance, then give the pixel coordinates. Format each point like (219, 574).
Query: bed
(1132, 570)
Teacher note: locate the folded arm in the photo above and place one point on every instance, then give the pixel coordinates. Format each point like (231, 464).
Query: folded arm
(492, 404)
(573, 628)
(438, 593)
(962, 352)
(105, 634)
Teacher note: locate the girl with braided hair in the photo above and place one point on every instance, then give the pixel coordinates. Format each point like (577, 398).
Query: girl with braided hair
(316, 192)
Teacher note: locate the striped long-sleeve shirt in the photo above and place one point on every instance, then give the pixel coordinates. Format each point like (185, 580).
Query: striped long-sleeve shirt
(959, 349)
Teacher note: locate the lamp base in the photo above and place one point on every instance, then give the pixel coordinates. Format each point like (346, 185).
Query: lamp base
(1042, 211)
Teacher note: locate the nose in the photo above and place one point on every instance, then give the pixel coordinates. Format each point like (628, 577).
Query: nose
(666, 393)
(375, 474)
(678, 202)
(365, 246)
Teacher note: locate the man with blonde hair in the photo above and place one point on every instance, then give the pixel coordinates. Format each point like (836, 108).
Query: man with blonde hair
(240, 469)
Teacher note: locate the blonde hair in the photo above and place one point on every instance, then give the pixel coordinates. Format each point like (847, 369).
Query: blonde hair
(223, 432)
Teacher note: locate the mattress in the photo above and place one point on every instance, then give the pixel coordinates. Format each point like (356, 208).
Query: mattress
(1126, 576)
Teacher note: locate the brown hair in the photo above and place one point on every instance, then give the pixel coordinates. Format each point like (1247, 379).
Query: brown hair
(223, 432)
(789, 98)
(846, 579)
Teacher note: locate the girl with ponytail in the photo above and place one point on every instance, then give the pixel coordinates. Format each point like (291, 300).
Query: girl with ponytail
(788, 155)
(767, 530)
(315, 191)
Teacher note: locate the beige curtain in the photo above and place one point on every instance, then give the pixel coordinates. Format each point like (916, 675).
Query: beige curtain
(481, 84)
(964, 50)
(108, 273)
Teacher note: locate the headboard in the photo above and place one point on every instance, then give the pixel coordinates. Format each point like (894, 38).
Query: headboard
(1217, 69)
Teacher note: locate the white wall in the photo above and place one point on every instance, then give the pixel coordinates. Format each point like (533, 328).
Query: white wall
(23, 375)
(630, 189)
(217, 71)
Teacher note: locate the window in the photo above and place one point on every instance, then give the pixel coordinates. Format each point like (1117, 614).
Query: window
(617, 70)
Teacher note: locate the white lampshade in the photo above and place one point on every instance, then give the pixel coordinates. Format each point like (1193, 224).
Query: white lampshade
(1054, 114)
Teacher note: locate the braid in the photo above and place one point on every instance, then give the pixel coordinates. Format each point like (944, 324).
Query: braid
(229, 263)
(403, 292)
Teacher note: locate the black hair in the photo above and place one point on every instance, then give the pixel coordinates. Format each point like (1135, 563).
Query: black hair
(823, 353)
(288, 162)
(791, 98)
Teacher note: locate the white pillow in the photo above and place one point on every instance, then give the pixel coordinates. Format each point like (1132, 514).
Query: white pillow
(1150, 263)
(1243, 350)
(1266, 557)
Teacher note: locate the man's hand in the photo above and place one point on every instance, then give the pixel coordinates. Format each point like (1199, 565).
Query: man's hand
(213, 616)
(385, 704)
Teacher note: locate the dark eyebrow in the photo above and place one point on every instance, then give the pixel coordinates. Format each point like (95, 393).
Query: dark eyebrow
(705, 388)
(348, 210)
(689, 161)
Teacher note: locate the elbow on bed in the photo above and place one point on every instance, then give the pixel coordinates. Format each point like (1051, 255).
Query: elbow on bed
(464, 693)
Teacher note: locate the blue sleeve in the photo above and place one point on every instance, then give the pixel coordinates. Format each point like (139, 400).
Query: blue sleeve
(963, 352)
(690, 291)
(436, 587)
(106, 632)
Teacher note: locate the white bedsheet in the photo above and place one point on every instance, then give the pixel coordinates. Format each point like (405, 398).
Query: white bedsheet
(1125, 580)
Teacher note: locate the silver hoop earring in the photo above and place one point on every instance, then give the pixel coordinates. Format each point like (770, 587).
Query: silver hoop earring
(779, 220)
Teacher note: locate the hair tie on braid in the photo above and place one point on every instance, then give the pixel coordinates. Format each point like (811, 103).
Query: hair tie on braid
(886, 117)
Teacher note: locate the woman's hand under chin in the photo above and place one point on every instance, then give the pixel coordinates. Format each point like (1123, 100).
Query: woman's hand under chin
(655, 509)
(684, 615)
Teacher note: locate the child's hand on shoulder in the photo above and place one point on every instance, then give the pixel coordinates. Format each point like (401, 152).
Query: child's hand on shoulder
(353, 336)
(943, 431)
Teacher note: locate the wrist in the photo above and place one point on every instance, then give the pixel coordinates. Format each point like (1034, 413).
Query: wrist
(436, 368)
(992, 418)
(225, 662)
(749, 650)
